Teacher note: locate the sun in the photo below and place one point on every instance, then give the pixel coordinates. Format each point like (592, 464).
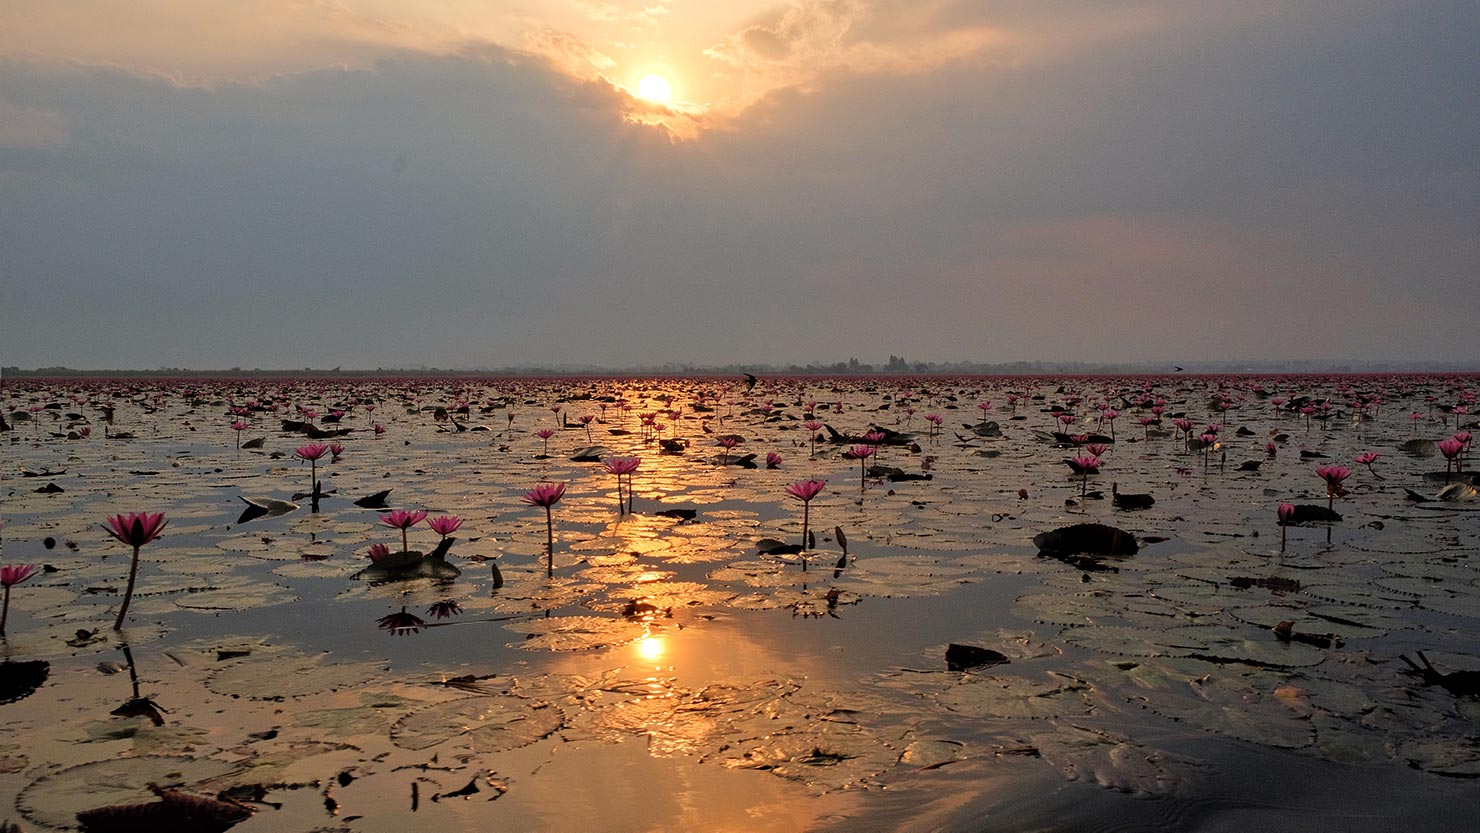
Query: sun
(654, 88)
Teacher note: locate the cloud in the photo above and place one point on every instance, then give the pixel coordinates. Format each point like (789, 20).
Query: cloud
(1305, 189)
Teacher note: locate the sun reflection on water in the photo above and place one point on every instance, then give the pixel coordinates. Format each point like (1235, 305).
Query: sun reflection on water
(650, 648)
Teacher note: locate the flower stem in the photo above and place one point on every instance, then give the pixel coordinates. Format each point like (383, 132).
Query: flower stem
(128, 593)
(549, 544)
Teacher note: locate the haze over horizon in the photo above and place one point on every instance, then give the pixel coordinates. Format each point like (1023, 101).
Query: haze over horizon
(368, 183)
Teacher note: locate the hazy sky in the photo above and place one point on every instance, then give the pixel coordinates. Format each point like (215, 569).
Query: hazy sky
(367, 183)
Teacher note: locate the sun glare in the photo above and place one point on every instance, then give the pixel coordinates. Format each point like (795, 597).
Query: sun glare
(650, 648)
(654, 88)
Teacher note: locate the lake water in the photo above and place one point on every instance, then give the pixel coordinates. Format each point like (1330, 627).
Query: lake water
(670, 675)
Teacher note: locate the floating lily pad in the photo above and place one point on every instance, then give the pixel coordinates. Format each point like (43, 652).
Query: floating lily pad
(1108, 760)
(54, 800)
(1015, 697)
(575, 633)
(277, 674)
(486, 724)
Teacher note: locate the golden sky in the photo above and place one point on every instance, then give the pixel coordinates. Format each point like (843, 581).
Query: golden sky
(986, 180)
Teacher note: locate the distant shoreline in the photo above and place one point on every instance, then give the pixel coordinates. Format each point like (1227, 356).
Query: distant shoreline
(864, 370)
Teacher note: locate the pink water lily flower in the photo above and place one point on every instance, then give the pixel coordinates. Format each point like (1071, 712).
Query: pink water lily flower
(623, 466)
(11, 575)
(403, 520)
(1333, 475)
(379, 553)
(311, 451)
(773, 460)
(546, 495)
(134, 529)
(445, 525)
(1286, 513)
(812, 426)
(1367, 458)
(805, 491)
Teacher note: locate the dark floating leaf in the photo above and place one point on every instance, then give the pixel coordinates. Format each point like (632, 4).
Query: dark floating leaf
(1096, 539)
(770, 546)
(375, 501)
(962, 657)
(1313, 513)
(174, 812)
(590, 454)
(1130, 501)
(1458, 683)
(264, 507)
(680, 514)
(19, 680)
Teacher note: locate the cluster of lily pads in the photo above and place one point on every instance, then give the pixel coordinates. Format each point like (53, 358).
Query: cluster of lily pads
(1348, 637)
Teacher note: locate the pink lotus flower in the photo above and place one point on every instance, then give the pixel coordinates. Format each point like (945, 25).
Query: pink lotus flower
(1270, 448)
(134, 529)
(1333, 475)
(545, 434)
(379, 553)
(547, 495)
(874, 438)
(444, 610)
(773, 460)
(812, 426)
(10, 576)
(544, 494)
(336, 449)
(312, 452)
(621, 466)
(13, 574)
(403, 520)
(379, 429)
(1367, 458)
(445, 525)
(1286, 514)
(805, 491)
(1097, 449)
(1084, 465)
